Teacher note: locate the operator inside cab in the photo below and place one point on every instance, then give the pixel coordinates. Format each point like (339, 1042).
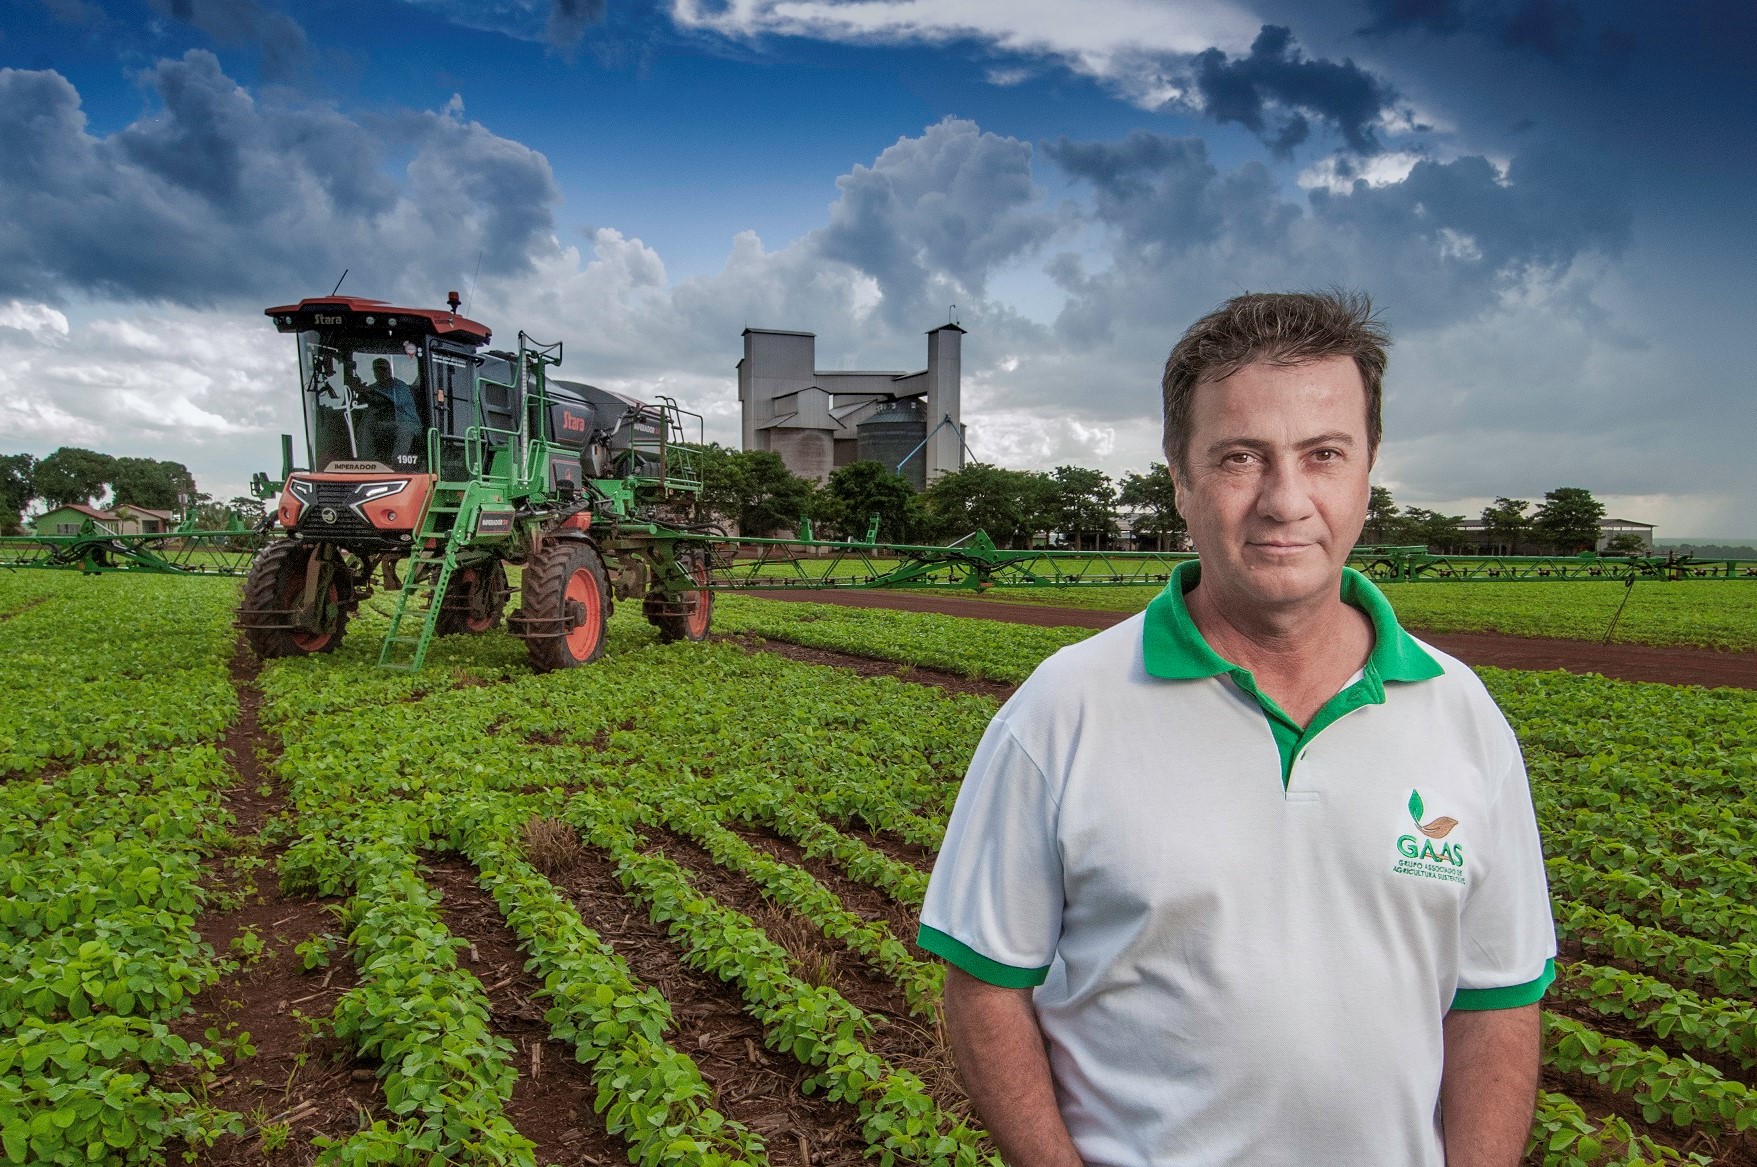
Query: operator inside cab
(383, 419)
(393, 421)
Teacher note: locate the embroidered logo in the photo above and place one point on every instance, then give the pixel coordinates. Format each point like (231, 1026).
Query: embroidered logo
(1417, 854)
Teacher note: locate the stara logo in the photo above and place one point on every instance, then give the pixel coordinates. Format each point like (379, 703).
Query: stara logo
(1419, 856)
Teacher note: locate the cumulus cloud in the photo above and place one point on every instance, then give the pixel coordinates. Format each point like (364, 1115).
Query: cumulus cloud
(217, 196)
(934, 216)
(207, 388)
(1440, 244)
(1496, 279)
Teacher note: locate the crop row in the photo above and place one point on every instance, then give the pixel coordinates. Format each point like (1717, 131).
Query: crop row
(815, 1024)
(405, 763)
(1682, 1091)
(1709, 1026)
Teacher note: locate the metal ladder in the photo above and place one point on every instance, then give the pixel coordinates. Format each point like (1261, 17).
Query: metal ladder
(404, 653)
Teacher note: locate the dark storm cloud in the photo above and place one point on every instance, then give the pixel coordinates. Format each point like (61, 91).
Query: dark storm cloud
(1272, 90)
(216, 197)
(1438, 247)
(1441, 17)
(245, 22)
(569, 19)
(936, 213)
(1556, 29)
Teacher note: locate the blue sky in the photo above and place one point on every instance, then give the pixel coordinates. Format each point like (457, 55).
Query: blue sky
(1550, 201)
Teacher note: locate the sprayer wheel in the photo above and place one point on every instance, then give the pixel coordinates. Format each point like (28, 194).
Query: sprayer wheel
(475, 600)
(566, 582)
(693, 624)
(276, 584)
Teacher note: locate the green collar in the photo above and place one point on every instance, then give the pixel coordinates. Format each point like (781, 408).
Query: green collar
(1175, 651)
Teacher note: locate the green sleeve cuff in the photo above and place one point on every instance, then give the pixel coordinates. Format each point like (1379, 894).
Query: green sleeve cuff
(1511, 997)
(977, 965)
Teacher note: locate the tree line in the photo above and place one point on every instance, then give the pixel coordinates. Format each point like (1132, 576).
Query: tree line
(1079, 508)
(753, 491)
(1564, 523)
(73, 475)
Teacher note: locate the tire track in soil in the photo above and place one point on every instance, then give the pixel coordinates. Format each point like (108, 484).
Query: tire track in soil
(868, 666)
(906, 1041)
(552, 1100)
(1668, 664)
(754, 1085)
(309, 1083)
(22, 609)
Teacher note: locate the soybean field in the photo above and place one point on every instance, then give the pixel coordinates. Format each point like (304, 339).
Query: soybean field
(661, 909)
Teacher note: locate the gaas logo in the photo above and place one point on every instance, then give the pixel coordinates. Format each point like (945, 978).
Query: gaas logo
(1417, 853)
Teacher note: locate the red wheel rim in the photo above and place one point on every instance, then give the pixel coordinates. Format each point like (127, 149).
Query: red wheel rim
(582, 588)
(473, 579)
(702, 613)
(308, 641)
(318, 641)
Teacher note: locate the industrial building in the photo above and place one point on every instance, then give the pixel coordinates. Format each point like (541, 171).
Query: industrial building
(820, 419)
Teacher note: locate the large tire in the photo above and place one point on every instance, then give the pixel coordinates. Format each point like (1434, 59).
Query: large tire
(276, 585)
(693, 623)
(566, 603)
(475, 600)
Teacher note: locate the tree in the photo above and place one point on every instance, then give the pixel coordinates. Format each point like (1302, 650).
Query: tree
(1628, 543)
(71, 475)
(1154, 495)
(147, 482)
(860, 490)
(16, 491)
(1384, 525)
(1085, 504)
(1568, 519)
(1009, 505)
(210, 514)
(753, 489)
(1505, 524)
(1431, 529)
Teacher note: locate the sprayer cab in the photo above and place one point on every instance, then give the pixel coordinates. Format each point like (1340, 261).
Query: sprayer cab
(376, 380)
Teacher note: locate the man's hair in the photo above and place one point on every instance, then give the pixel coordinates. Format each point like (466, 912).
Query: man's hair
(1280, 328)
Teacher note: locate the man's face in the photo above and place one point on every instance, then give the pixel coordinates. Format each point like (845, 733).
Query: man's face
(1273, 482)
(381, 371)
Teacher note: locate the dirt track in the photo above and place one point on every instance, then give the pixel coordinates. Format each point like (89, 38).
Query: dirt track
(1626, 662)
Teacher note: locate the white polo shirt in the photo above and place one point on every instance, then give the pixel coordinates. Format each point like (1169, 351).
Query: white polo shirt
(1244, 934)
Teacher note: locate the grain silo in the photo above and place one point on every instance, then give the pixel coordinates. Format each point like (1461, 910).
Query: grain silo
(896, 436)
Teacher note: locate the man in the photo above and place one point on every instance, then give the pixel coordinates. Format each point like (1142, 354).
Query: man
(1253, 877)
(390, 398)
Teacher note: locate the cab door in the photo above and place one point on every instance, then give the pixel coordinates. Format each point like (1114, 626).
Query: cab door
(451, 378)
